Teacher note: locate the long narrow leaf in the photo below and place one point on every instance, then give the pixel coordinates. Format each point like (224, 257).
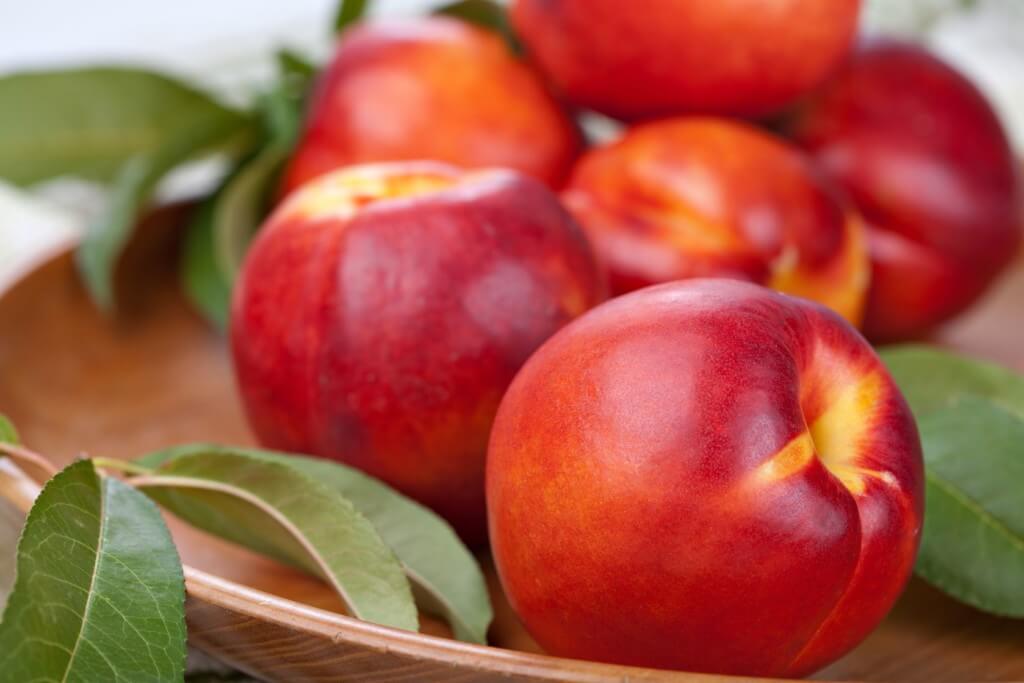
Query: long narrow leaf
(281, 512)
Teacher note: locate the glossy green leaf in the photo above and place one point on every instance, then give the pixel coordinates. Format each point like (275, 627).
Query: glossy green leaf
(349, 12)
(973, 542)
(281, 512)
(931, 379)
(487, 14)
(8, 433)
(107, 236)
(91, 122)
(446, 579)
(201, 277)
(99, 594)
(241, 207)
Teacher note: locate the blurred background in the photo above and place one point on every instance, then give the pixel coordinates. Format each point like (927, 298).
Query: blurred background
(227, 46)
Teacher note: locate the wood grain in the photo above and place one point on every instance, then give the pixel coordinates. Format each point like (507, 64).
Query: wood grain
(76, 382)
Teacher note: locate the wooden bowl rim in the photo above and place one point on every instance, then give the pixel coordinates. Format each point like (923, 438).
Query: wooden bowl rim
(324, 624)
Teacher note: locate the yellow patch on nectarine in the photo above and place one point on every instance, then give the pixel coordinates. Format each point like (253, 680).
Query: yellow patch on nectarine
(842, 286)
(341, 194)
(790, 459)
(842, 427)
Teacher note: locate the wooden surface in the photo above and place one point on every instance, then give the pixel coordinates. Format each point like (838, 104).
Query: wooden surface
(75, 382)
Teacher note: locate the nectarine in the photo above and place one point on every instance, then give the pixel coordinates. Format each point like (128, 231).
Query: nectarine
(438, 89)
(928, 165)
(704, 475)
(653, 58)
(382, 311)
(695, 197)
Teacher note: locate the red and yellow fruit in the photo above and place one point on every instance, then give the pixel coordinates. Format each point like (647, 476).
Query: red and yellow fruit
(383, 310)
(702, 197)
(653, 58)
(704, 475)
(929, 167)
(437, 89)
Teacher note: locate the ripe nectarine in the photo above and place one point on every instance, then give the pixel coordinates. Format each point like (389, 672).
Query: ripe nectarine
(704, 475)
(382, 311)
(653, 58)
(437, 89)
(697, 197)
(930, 168)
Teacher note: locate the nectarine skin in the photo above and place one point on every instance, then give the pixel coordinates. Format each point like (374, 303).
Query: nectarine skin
(382, 311)
(929, 166)
(704, 197)
(652, 58)
(437, 89)
(704, 475)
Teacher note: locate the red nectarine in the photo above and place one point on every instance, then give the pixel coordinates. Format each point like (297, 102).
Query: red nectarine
(438, 89)
(696, 197)
(929, 166)
(382, 311)
(652, 58)
(704, 475)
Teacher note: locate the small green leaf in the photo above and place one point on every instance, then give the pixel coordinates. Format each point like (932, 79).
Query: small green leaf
(973, 542)
(282, 107)
(8, 433)
(201, 277)
(292, 64)
(99, 594)
(281, 512)
(446, 579)
(349, 11)
(241, 207)
(931, 379)
(107, 237)
(487, 14)
(90, 122)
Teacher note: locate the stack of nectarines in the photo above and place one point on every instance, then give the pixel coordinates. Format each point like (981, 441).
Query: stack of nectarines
(702, 474)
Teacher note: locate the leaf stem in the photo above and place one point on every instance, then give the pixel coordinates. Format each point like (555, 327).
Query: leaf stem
(121, 466)
(22, 455)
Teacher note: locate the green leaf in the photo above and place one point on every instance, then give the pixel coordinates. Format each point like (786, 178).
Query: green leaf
(932, 379)
(973, 542)
(487, 14)
(241, 207)
(349, 11)
(220, 233)
(281, 512)
(446, 579)
(8, 433)
(107, 237)
(201, 277)
(282, 107)
(90, 122)
(99, 594)
(292, 64)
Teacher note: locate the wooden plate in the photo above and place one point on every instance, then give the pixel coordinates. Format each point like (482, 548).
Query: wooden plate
(77, 382)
